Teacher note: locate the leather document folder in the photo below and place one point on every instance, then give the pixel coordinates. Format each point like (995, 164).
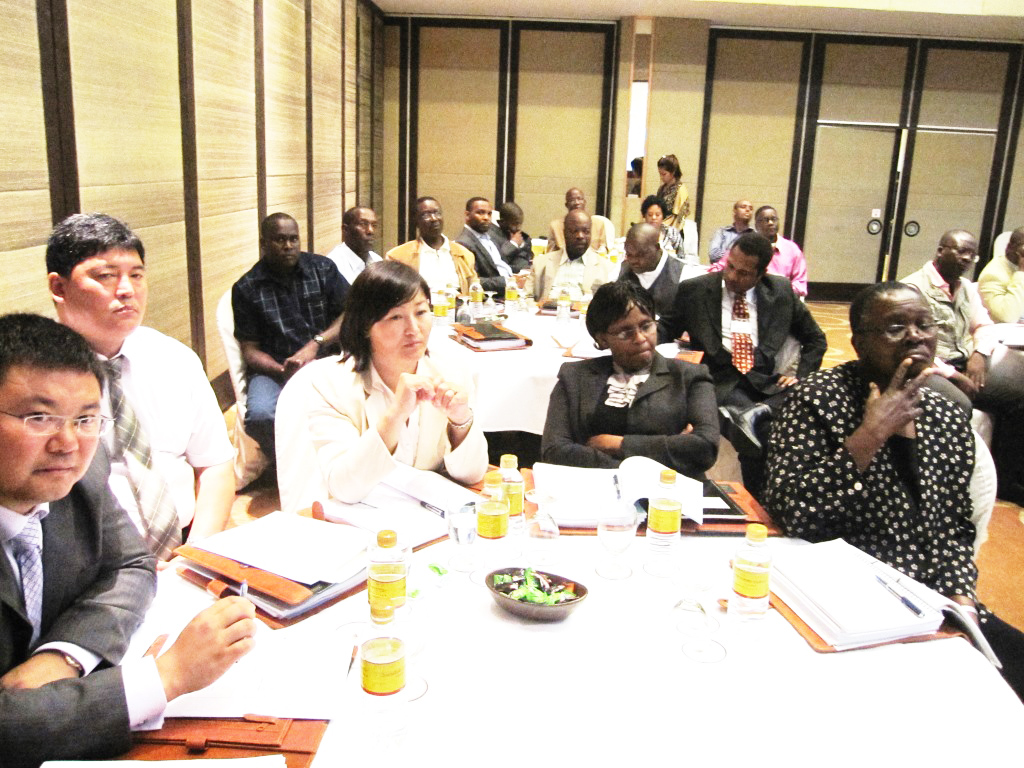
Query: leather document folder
(187, 738)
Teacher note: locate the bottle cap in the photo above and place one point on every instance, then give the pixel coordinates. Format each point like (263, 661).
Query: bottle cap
(382, 613)
(386, 538)
(509, 461)
(756, 532)
(668, 477)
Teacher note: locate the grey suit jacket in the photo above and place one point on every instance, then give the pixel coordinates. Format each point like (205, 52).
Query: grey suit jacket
(490, 279)
(675, 395)
(98, 581)
(780, 313)
(664, 288)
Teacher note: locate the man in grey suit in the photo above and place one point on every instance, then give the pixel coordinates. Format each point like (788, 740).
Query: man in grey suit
(75, 577)
(745, 312)
(647, 265)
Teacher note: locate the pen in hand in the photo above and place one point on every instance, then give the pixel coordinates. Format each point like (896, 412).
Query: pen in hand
(243, 589)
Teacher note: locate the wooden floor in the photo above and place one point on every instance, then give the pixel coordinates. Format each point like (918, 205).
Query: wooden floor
(1001, 577)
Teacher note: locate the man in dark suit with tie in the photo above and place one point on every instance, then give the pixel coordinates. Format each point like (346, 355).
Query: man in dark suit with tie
(741, 320)
(75, 577)
(491, 267)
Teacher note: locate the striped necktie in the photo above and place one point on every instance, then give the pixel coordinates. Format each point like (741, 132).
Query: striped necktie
(156, 507)
(742, 344)
(28, 553)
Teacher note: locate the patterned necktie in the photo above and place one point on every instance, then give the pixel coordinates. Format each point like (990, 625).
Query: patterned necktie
(28, 552)
(156, 507)
(742, 345)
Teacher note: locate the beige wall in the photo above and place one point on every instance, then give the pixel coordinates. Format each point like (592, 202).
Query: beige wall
(558, 122)
(753, 118)
(458, 118)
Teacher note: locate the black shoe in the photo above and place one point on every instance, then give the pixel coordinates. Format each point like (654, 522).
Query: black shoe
(741, 427)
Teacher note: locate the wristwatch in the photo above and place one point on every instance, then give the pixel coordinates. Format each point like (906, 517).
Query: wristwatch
(70, 660)
(319, 339)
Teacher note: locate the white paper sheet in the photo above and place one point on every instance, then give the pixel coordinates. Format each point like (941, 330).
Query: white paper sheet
(298, 548)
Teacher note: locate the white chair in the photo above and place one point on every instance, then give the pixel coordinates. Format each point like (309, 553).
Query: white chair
(249, 459)
(299, 480)
(983, 491)
(999, 246)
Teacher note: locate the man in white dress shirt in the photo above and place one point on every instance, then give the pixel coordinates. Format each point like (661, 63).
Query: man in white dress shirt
(97, 280)
(490, 267)
(358, 225)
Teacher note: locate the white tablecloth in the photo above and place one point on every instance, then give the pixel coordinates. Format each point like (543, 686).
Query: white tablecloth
(610, 686)
(513, 387)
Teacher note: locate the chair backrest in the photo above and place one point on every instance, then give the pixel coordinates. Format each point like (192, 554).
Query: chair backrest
(999, 246)
(299, 480)
(983, 491)
(233, 352)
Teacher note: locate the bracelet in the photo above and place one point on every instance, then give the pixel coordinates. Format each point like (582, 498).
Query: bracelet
(463, 425)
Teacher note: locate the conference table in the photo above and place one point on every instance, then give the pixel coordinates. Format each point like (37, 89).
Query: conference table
(513, 386)
(610, 685)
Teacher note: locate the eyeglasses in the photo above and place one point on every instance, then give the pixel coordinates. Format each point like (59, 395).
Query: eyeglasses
(626, 334)
(46, 424)
(899, 332)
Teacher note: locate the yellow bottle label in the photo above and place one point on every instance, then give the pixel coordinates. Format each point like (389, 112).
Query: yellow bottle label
(476, 296)
(513, 493)
(663, 515)
(440, 309)
(492, 520)
(749, 579)
(386, 584)
(383, 665)
(511, 293)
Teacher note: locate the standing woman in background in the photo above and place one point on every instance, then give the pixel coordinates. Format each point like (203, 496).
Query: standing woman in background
(673, 191)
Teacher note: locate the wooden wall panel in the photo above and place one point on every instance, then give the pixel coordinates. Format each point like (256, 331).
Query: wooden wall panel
(364, 106)
(348, 95)
(750, 137)
(24, 182)
(377, 197)
(328, 197)
(284, 31)
(225, 154)
(458, 118)
(620, 209)
(128, 129)
(391, 129)
(559, 122)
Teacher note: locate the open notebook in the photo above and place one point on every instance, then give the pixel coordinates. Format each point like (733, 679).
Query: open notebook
(852, 600)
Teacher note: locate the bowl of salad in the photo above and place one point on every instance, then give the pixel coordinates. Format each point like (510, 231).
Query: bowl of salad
(535, 594)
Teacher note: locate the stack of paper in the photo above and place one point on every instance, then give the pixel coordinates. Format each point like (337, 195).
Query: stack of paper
(852, 600)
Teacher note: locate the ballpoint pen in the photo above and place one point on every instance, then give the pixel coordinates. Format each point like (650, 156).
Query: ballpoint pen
(902, 598)
(243, 589)
(436, 510)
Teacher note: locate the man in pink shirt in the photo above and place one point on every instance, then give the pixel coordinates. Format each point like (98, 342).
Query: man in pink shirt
(787, 260)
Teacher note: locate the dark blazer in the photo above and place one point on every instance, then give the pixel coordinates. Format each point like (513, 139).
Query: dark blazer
(676, 394)
(98, 581)
(490, 279)
(780, 313)
(664, 287)
(519, 257)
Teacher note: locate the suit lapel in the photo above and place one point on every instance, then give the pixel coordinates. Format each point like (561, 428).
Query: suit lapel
(10, 595)
(713, 308)
(658, 380)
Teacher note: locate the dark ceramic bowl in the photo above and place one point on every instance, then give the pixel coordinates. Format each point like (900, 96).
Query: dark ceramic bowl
(535, 611)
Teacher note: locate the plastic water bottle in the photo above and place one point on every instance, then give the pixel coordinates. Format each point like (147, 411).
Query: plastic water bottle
(386, 572)
(476, 300)
(751, 569)
(563, 308)
(383, 654)
(512, 488)
(664, 513)
(511, 296)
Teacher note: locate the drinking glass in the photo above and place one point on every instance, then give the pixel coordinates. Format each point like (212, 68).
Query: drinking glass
(462, 530)
(697, 627)
(616, 529)
(541, 529)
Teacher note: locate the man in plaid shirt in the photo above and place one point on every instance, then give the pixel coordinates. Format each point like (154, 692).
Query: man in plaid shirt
(287, 312)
